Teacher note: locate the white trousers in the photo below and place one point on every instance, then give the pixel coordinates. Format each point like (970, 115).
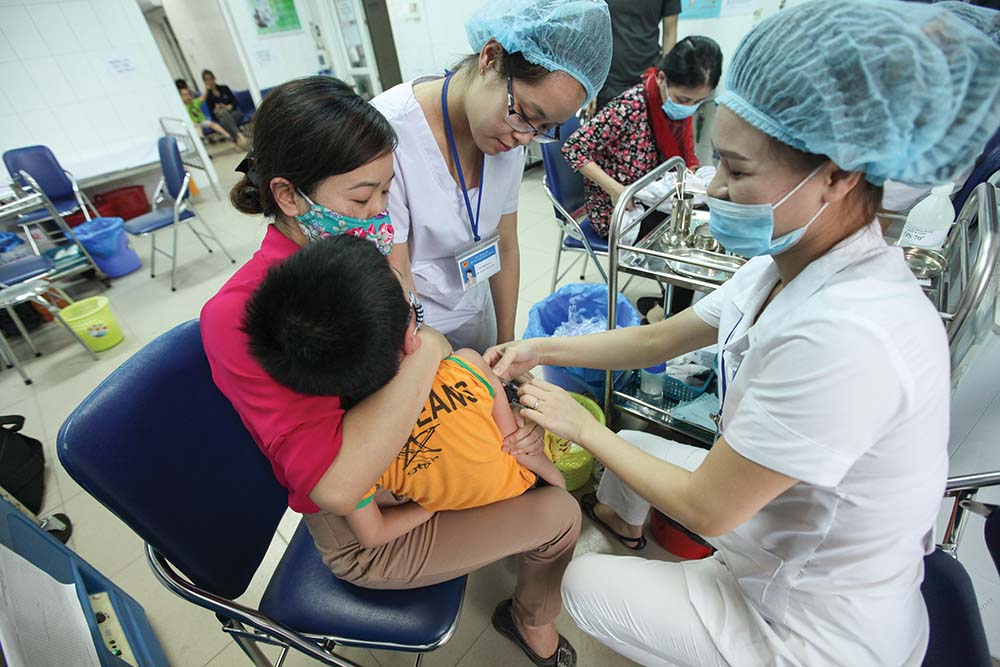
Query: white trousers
(667, 614)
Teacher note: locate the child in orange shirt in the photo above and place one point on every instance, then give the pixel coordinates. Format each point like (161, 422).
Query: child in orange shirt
(346, 338)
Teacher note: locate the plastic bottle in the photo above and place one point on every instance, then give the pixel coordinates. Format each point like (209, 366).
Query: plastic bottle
(928, 223)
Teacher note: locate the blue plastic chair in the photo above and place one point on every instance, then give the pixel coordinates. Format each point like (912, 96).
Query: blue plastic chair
(57, 183)
(564, 188)
(957, 636)
(989, 164)
(244, 102)
(173, 187)
(160, 446)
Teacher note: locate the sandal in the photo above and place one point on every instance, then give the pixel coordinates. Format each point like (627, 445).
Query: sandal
(644, 303)
(503, 621)
(588, 502)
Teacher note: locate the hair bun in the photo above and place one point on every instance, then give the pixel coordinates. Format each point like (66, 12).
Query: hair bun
(245, 197)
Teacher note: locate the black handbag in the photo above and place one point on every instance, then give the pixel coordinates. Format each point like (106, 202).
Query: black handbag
(22, 463)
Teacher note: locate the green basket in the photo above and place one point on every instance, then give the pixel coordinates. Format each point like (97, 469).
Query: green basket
(94, 322)
(574, 462)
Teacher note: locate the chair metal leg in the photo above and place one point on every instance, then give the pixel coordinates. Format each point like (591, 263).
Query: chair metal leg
(194, 230)
(419, 660)
(555, 270)
(152, 255)
(56, 314)
(24, 332)
(252, 651)
(211, 232)
(9, 353)
(173, 260)
(5, 359)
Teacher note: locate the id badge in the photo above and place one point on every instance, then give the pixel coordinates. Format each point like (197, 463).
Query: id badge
(478, 261)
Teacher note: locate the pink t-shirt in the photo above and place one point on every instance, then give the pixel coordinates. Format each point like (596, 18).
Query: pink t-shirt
(300, 435)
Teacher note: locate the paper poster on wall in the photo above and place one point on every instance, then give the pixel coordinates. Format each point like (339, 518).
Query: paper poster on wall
(738, 7)
(700, 9)
(275, 16)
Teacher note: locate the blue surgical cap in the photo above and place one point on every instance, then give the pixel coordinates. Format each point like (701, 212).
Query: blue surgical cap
(895, 90)
(572, 36)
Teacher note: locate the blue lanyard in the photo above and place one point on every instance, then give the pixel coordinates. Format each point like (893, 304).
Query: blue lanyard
(724, 379)
(473, 219)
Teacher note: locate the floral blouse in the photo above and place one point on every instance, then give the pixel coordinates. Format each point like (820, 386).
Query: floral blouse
(620, 140)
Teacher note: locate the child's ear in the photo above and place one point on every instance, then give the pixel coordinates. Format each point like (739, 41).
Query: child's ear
(411, 343)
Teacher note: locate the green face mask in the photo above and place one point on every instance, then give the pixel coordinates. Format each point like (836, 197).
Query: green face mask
(320, 222)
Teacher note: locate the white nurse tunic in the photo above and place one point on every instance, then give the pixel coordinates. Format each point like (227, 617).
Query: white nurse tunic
(429, 214)
(842, 383)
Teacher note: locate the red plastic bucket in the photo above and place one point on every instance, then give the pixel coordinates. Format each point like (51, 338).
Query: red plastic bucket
(676, 539)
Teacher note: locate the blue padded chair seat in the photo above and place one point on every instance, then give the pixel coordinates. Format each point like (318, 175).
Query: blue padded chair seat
(304, 595)
(598, 243)
(23, 269)
(155, 219)
(65, 207)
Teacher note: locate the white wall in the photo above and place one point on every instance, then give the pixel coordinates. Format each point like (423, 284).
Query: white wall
(271, 59)
(84, 78)
(429, 34)
(205, 41)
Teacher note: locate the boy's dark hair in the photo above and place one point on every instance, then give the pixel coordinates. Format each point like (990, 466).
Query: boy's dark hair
(330, 320)
(181, 84)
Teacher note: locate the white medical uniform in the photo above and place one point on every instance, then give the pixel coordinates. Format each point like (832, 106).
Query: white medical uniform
(842, 383)
(429, 214)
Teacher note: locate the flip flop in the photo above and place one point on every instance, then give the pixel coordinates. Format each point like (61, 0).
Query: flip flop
(588, 502)
(503, 621)
(644, 303)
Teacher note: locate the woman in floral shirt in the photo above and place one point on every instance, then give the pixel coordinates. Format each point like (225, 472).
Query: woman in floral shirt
(644, 126)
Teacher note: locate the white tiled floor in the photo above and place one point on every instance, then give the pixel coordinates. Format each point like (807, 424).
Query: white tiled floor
(146, 308)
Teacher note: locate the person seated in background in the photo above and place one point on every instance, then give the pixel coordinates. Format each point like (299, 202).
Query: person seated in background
(221, 101)
(193, 105)
(453, 459)
(643, 127)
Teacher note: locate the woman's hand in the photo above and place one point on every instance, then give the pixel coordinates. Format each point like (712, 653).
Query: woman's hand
(615, 192)
(529, 438)
(552, 408)
(434, 338)
(513, 359)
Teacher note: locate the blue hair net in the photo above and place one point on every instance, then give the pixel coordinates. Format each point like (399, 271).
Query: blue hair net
(895, 90)
(572, 36)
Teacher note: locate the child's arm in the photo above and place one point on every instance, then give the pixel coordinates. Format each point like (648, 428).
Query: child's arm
(503, 415)
(375, 526)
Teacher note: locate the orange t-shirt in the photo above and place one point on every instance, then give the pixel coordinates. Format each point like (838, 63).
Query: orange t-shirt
(453, 458)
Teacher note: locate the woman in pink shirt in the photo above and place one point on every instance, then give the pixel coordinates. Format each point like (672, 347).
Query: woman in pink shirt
(320, 165)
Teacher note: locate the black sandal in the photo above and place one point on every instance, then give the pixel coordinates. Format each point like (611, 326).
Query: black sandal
(588, 502)
(503, 621)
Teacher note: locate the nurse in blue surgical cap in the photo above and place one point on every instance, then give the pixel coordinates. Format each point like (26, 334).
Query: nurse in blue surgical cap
(460, 157)
(822, 488)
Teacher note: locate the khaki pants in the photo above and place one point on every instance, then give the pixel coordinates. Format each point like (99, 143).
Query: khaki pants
(540, 527)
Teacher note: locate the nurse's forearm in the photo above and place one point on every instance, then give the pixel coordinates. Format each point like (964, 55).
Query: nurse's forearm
(592, 171)
(720, 495)
(505, 285)
(631, 347)
(375, 430)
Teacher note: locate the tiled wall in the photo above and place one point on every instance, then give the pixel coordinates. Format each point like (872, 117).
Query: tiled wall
(84, 78)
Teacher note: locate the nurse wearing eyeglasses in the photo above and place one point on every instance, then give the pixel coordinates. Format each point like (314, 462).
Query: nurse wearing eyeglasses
(460, 155)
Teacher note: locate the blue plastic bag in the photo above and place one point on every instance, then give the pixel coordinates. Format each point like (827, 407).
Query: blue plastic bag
(102, 237)
(575, 309)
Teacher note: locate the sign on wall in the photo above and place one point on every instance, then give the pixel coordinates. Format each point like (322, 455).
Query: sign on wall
(275, 16)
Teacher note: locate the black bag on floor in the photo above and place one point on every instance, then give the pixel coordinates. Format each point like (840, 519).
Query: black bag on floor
(22, 464)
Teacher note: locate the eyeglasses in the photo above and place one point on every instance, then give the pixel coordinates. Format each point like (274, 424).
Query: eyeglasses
(520, 124)
(418, 311)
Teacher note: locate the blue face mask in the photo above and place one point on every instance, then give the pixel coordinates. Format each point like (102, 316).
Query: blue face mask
(747, 229)
(677, 111)
(320, 222)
